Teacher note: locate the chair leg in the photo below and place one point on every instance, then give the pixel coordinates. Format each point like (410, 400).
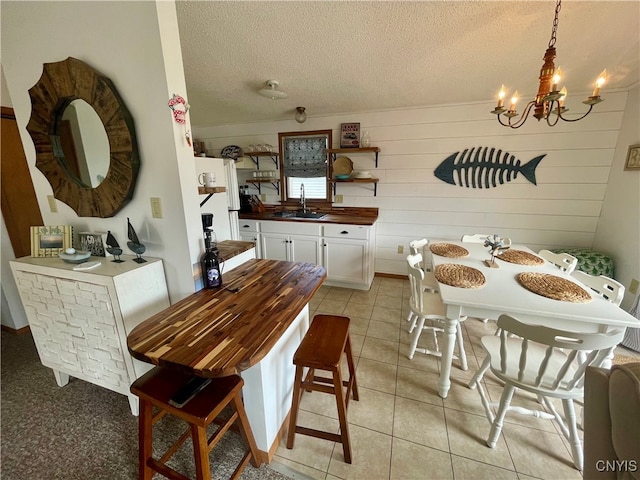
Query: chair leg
(486, 363)
(201, 452)
(342, 414)
(461, 353)
(293, 416)
(412, 318)
(498, 421)
(416, 337)
(245, 431)
(576, 444)
(145, 448)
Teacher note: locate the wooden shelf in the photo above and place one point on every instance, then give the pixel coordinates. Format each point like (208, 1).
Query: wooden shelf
(257, 181)
(375, 181)
(334, 151)
(211, 190)
(261, 154)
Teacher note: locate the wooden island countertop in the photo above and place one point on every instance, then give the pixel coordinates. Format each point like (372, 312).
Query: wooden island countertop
(214, 333)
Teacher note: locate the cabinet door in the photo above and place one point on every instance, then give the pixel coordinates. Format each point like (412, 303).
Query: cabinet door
(346, 260)
(252, 237)
(275, 246)
(305, 249)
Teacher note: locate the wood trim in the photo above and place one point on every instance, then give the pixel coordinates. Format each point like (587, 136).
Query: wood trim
(7, 112)
(19, 331)
(390, 275)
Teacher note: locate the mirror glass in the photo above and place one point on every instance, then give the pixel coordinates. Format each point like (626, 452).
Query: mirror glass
(82, 144)
(304, 161)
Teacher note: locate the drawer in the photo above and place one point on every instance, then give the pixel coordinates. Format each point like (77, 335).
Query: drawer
(291, 228)
(249, 225)
(346, 231)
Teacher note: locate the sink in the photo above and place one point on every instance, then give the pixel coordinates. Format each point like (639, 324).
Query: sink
(297, 214)
(308, 214)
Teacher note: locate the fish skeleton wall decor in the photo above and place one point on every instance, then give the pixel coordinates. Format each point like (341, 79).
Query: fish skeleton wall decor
(484, 168)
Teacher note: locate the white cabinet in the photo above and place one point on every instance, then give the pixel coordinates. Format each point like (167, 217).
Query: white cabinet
(349, 252)
(249, 232)
(293, 242)
(80, 319)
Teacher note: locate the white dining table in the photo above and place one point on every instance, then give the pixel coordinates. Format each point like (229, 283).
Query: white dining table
(502, 293)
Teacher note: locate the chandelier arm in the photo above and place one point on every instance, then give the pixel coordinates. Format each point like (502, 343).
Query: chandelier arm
(523, 117)
(576, 119)
(550, 111)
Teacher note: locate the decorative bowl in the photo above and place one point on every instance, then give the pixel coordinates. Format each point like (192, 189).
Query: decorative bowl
(78, 257)
(341, 176)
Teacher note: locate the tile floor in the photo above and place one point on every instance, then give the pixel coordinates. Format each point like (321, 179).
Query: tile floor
(401, 428)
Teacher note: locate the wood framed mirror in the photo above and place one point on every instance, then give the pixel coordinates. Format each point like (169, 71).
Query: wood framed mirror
(73, 85)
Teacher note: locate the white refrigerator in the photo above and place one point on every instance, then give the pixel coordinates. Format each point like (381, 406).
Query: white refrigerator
(224, 206)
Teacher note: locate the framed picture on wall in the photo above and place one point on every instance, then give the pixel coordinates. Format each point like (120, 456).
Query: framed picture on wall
(49, 241)
(633, 158)
(349, 135)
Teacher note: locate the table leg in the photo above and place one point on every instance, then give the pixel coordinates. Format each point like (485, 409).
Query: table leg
(449, 337)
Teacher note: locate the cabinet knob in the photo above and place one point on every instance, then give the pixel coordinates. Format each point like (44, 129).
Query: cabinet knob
(344, 232)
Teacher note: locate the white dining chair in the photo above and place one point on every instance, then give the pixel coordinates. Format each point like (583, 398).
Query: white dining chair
(475, 237)
(429, 283)
(604, 286)
(545, 362)
(426, 305)
(565, 262)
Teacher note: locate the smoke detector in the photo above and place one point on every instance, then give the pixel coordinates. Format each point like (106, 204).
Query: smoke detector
(270, 90)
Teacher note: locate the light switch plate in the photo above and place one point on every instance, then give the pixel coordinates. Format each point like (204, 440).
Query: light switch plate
(53, 206)
(156, 207)
(400, 248)
(633, 286)
(263, 197)
(339, 199)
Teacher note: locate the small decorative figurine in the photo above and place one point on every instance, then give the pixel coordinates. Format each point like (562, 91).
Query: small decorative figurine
(113, 248)
(497, 246)
(134, 244)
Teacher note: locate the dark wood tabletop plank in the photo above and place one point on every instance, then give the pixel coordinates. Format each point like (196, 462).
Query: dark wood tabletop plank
(215, 333)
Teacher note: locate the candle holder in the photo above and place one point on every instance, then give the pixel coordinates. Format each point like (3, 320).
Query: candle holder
(497, 246)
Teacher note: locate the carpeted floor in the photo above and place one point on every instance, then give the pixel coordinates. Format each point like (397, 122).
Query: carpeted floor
(82, 431)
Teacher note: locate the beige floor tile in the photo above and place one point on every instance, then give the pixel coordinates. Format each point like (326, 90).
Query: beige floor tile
(419, 361)
(521, 399)
(384, 330)
(466, 469)
(312, 452)
(389, 301)
(418, 385)
(371, 456)
(356, 344)
(339, 294)
(462, 398)
(331, 307)
(410, 461)
(421, 423)
(374, 410)
(354, 309)
(358, 325)
(542, 455)
(365, 297)
(467, 438)
(297, 471)
(384, 314)
(376, 375)
(380, 350)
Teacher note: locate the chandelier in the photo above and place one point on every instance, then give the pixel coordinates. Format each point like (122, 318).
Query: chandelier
(549, 102)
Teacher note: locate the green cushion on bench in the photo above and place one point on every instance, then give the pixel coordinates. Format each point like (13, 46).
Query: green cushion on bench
(590, 261)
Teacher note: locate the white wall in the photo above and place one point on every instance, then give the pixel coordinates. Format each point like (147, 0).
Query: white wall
(136, 45)
(561, 211)
(618, 232)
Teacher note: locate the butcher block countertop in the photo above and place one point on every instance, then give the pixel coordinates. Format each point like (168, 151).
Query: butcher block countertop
(230, 248)
(214, 333)
(346, 215)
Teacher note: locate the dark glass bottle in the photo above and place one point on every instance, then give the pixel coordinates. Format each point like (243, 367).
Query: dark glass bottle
(210, 266)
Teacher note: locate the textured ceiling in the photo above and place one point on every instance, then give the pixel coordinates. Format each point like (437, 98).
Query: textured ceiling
(335, 57)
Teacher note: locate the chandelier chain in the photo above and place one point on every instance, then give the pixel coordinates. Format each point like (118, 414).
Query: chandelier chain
(552, 41)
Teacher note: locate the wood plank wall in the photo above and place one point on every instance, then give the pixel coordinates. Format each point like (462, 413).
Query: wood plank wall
(561, 211)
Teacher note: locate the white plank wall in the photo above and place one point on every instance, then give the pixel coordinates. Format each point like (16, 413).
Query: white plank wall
(562, 210)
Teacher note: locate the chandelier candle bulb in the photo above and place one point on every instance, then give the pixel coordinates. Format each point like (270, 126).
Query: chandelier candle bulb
(514, 100)
(556, 80)
(599, 82)
(501, 96)
(563, 96)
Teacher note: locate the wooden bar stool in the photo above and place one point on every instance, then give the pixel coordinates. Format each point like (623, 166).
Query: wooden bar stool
(157, 388)
(322, 348)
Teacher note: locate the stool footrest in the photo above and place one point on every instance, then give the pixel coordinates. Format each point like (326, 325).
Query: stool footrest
(165, 470)
(217, 435)
(312, 432)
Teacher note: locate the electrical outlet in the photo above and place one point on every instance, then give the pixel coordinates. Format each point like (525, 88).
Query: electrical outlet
(263, 197)
(53, 206)
(400, 248)
(156, 207)
(339, 199)
(633, 286)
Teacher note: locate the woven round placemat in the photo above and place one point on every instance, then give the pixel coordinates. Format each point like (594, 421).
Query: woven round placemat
(622, 359)
(459, 276)
(550, 286)
(521, 258)
(448, 250)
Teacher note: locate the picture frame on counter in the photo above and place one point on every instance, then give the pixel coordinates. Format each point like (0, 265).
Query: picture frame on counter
(49, 241)
(93, 242)
(350, 135)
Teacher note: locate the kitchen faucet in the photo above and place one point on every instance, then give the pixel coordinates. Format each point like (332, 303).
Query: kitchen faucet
(303, 200)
